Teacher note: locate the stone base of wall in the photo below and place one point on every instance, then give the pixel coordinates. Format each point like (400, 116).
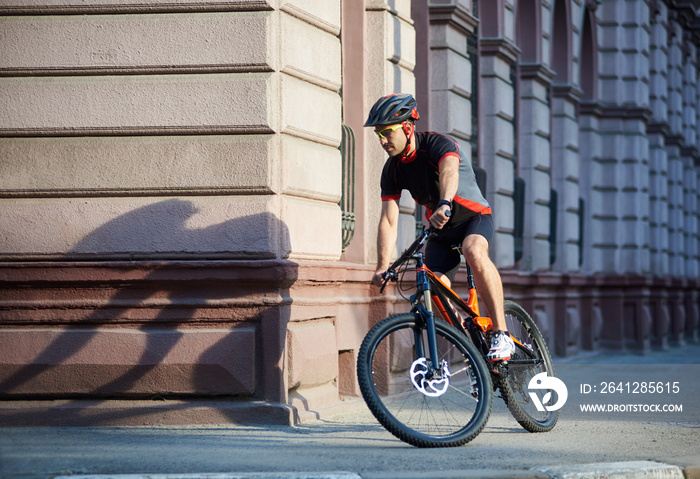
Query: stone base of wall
(179, 342)
(170, 412)
(115, 412)
(619, 312)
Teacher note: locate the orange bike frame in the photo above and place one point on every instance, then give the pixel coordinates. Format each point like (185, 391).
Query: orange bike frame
(470, 306)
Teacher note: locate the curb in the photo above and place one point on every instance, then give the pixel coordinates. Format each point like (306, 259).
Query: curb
(679, 468)
(234, 475)
(615, 470)
(683, 468)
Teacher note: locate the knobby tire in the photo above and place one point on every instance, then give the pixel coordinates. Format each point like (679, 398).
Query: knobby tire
(513, 382)
(384, 368)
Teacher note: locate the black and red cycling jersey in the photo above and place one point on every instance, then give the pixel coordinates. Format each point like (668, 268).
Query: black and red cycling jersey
(420, 175)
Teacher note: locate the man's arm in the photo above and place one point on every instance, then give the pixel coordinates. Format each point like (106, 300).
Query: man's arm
(449, 182)
(386, 237)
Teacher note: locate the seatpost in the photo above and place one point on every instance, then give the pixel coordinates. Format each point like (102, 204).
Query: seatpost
(472, 300)
(470, 278)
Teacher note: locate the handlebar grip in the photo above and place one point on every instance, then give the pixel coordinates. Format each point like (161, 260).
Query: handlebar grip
(387, 276)
(385, 281)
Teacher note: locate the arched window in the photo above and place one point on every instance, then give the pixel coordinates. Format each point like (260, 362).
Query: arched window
(588, 57)
(528, 32)
(560, 42)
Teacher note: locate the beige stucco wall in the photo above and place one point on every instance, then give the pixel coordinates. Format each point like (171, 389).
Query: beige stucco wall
(228, 112)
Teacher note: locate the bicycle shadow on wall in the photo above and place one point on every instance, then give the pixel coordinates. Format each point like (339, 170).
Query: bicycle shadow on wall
(204, 316)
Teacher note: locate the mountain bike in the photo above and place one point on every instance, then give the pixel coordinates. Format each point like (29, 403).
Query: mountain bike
(424, 374)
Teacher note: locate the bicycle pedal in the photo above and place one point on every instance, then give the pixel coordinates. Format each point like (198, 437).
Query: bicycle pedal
(497, 362)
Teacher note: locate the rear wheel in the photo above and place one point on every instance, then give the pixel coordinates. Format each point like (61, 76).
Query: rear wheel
(531, 357)
(421, 406)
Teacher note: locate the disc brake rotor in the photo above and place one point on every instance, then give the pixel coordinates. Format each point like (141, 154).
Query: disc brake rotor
(433, 385)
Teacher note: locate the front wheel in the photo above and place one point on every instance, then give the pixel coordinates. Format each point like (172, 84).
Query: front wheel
(531, 357)
(416, 403)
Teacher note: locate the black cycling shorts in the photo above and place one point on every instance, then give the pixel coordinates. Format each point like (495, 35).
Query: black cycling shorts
(440, 255)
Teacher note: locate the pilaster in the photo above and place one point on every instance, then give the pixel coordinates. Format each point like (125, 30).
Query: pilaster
(451, 72)
(565, 174)
(535, 162)
(591, 153)
(498, 153)
(621, 177)
(389, 69)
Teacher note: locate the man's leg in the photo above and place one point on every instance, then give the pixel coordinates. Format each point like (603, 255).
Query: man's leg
(490, 288)
(488, 281)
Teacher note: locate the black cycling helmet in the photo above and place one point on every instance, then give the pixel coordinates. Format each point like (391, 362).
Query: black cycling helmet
(392, 109)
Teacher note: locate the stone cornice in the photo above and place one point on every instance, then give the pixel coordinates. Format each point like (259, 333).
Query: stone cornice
(591, 107)
(91, 291)
(455, 16)
(658, 128)
(670, 139)
(538, 72)
(674, 140)
(690, 151)
(383, 5)
(626, 112)
(500, 47)
(611, 111)
(567, 91)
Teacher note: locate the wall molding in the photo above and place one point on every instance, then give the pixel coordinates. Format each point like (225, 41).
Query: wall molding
(17, 8)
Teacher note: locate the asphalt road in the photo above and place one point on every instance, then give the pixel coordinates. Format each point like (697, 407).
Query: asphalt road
(354, 442)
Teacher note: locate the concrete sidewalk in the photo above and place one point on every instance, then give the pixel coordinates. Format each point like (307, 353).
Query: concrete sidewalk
(356, 444)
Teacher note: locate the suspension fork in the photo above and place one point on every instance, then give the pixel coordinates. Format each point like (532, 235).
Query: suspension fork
(426, 309)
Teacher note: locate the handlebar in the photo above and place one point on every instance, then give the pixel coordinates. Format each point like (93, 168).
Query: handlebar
(390, 274)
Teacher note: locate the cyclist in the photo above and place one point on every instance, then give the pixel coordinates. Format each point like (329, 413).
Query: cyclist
(429, 166)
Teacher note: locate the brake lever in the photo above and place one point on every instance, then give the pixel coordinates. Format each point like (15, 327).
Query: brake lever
(388, 276)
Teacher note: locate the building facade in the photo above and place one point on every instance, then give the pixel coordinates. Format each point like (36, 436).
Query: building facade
(188, 200)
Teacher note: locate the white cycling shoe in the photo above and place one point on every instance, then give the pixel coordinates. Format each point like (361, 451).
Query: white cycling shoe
(502, 347)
